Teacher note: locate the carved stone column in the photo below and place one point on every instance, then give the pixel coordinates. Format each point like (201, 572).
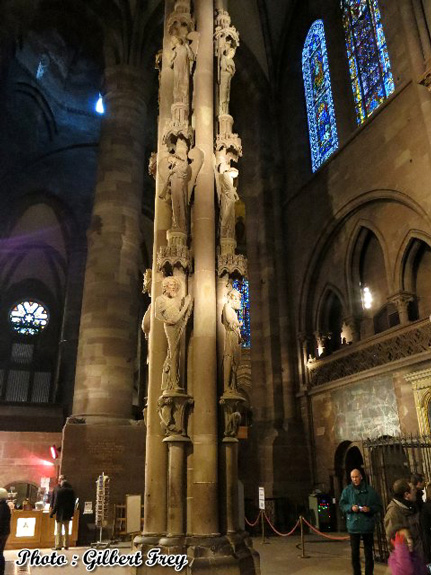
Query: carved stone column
(401, 302)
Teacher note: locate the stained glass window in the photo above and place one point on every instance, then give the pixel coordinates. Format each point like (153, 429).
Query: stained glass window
(322, 126)
(28, 317)
(369, 65)
(244, 312)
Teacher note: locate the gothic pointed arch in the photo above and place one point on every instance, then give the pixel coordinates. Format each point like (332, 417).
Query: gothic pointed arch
(415, 274)
(367, 52)
(329, 319)
(322, 127)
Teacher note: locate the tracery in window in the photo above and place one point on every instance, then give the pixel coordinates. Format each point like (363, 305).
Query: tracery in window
(28, 317)
(244, 312)
(369, 64)
(322, 126)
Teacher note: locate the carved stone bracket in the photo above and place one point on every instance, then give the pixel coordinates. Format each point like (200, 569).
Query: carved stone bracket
(172, 256)
(173, 411)
(231, 264)
(231, 404)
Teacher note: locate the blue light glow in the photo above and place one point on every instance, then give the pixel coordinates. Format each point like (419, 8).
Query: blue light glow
(100, 108)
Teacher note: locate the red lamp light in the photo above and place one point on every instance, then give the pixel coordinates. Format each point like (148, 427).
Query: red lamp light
(55, 451)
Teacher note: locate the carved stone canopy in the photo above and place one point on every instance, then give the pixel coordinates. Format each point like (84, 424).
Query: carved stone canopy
(173, 256)
(233, 265)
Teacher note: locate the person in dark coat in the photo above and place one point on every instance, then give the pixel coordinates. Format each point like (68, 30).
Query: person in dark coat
(4, 527)
(56, 489)
(64, 508)
(403, 515)
(418, 482)
(360, 503)
(425, 521)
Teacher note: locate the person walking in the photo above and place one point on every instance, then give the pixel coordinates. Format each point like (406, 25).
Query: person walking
(403, 531)
(360, 504)
(64, 508)
(4, 527)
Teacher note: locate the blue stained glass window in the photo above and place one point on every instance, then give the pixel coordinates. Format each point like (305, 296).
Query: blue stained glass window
(322, 126)
(369, 65)
(244, 313)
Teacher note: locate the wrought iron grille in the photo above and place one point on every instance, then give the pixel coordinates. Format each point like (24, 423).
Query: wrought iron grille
(387, 459)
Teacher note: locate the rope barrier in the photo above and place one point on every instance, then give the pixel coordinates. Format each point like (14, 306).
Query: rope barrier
(323, 534)
(278, 532)
(254, 523)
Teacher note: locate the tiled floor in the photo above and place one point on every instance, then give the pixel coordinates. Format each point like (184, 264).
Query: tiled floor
(279, 556)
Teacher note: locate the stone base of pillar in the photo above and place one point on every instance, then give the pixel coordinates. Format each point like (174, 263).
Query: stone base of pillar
(118, 451)
(226, 555)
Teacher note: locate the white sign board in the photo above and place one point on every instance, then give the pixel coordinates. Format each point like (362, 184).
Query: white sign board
(133, 513)
(88, 508)
(25, 527)
(261, 498)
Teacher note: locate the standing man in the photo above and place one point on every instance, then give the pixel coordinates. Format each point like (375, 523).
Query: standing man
(418, 482)
(4, 526)
(360, 503)
(63, 509)
(60, 480)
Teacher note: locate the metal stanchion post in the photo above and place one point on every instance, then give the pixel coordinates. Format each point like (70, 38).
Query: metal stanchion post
(301, 524)
(263, 526)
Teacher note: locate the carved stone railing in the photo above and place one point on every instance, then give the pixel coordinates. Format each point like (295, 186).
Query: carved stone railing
(397, 344)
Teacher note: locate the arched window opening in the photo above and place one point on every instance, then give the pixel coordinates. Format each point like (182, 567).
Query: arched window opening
(322, 126)
(369, 64)
(331, 322)
(422, 280)
(377, 314)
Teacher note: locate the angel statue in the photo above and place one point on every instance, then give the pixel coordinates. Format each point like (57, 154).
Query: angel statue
(179, 178)
(227, 196)
(232, 346)
(174, 311)
(182, 59)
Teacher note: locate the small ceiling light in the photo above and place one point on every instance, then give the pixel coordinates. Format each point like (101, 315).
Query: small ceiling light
(100, 108)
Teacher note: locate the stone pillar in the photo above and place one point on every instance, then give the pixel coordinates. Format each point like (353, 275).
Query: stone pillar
(401, 302)
(99, 436)
(205, 461)
(155, 500)
(110, 309)
(182, 482)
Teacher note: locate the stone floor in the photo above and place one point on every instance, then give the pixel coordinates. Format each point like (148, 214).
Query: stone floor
(279, 556)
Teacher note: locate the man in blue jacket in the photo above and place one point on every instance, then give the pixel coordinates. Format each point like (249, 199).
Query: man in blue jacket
(360, 503)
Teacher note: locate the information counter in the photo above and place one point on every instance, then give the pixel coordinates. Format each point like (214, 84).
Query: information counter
(36, 529)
